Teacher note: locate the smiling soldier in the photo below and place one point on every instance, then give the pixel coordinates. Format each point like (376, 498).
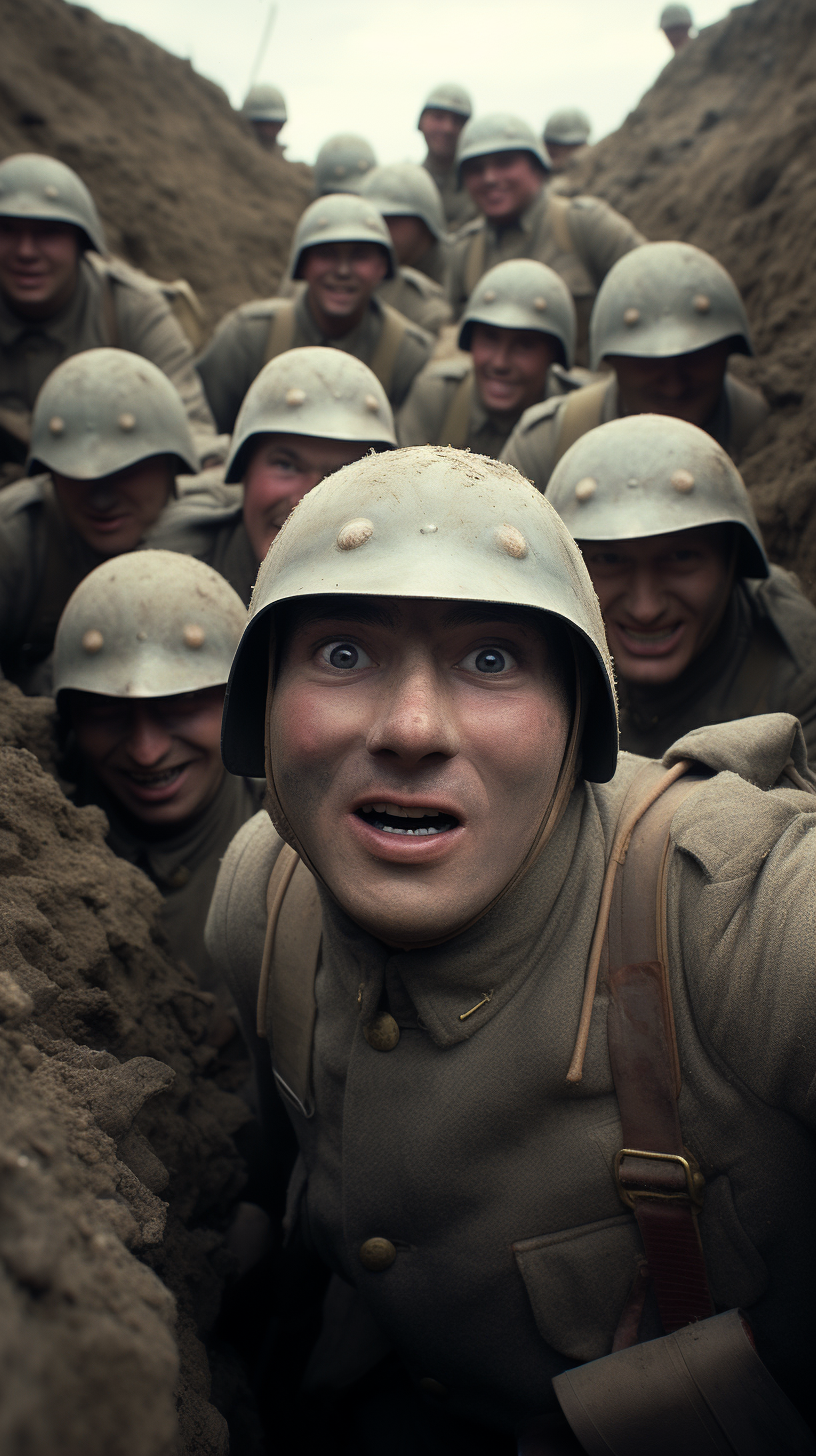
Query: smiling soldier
(413, 943)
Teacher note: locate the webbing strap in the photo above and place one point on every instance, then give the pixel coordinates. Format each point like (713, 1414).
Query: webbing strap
(475, 260)
(456, 424)
(385, 355)
(109, 318)
(281, 334)
(558, 210)
(582, 412)
(286, 1008)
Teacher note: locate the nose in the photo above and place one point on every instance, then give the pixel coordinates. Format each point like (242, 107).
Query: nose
(148, 740)
(26, 243)
(416, 720)
(103, 495)
(672, 381)
(644, 600)
(500, 361)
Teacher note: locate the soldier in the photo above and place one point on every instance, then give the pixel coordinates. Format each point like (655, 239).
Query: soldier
(504, 167)
(441, 119)
(518, 327)
(439, 739)
(409, 201)
(265, 109)
(566, 133)
(676, 22)
(666, 319)
(308, 413)
(60, 294)
(109, 435)
(141, 659)
(342, 249)
(701, 628)
(342, 163)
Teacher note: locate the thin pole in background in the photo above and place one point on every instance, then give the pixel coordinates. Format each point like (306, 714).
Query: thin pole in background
(261, 52)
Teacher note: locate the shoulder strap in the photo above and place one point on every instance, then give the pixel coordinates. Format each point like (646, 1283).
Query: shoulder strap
(109, 310)
(475, 260)
(581, 413)
(281, 334)
(186, 307)
(286, 1008)
(456, 423)
(559, 210)
(385, 355)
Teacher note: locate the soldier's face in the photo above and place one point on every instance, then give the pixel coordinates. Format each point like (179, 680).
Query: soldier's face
(411, 239)
(441, 132)
(686, 386)
(341, 278)
(283, 469)
(267, 132)
(561, 154)
(502, 184)
(415, 747)
(678, 36)
(38, 264)
(113, 512)
(662, 598)
(511, 367)
(160, 758)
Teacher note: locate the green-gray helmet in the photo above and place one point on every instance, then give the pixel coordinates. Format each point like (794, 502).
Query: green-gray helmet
(675, 15)
(264, 103)
(433, 523)
(148, 624)
(663, 299)
(106, 409)
(42, 188)
(404, 189)
(313, 391)
(499, 132)
(522, 294)
(449, 96)
(341, 164)
(648, 475)
(567, 128)
(341, 218)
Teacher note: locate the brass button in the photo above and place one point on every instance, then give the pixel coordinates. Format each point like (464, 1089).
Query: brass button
(382, 1033)
(429, 1386)
(377, 1254)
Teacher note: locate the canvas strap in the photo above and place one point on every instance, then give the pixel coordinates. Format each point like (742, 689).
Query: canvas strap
(388, 345)
(456, 423)
(286, 1008)
(582, 412)
(281, 334)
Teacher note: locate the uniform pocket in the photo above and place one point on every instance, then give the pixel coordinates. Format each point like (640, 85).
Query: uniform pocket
(577, 1282)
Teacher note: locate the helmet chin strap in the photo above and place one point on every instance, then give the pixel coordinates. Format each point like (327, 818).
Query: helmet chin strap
(565, 783)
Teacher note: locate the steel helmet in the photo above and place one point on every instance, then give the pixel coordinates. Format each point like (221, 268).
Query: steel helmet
(404, 189)
(449, 96)
(428, 522)
(148, 624)
(342, 163)
(522, 294)
(499, 132)
(341, 218)
(567, 128)
(663, 299)
(675, 15)
(312, 391)
(648, 475)
(42, 188)
(103, 410)
(264, 103)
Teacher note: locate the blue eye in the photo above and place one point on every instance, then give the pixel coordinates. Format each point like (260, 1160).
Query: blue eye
(488, 660)
(345, 656)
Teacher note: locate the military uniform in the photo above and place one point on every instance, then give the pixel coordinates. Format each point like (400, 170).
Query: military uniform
(413, 294)
(444, 408)
(207, 522)
(457, 202)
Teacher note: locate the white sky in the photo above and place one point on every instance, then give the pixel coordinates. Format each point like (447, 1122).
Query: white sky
(366, 65)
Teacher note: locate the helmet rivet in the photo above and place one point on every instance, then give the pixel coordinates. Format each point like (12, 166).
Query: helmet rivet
(127, 422)
(428, 530)
(540, 304)
(701, 303)
(511, 541)
(372, 403)
(586, 488)
(92, 640)
(51, 191)
(56, 426)
(323, 221)
(193, 635)
(339, 171)
(295, 397)
(141, 636)
(489, 296)
(631, 317)
(354, 534)
(683, 481)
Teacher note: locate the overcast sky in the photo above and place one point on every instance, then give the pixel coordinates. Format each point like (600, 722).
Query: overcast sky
(365, 65)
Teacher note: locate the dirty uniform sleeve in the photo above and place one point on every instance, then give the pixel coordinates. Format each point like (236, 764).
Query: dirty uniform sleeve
(423, 413)
(601, 235)
(795, 619)
(532, 446)
(230, 362)
(416, 348)
(22, 561)
(148, 326)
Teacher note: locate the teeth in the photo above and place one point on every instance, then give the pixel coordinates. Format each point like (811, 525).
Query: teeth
(661, 636)
(398, 812)
(392, 829)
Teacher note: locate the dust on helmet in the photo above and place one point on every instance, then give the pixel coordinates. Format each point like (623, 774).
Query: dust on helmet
(663, 299)
(342, 162)
(404, 189)
(341, 218)
(522, 294)
(427, 522)
(106, 409)
(148, 624)
(46, 190)
(649, 475)
(499, 132)
(313, 391)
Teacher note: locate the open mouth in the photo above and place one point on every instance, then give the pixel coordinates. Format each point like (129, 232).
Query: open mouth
(419, 821)
(154, 785)
(652, 644)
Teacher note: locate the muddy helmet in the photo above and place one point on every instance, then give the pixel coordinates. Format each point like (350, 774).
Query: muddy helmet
(106, 409)
(449, 96)
(648, 475)
(499, 132)
(404, 189)
(567, 128)
(522, 294)
(313, 391)
(264, 103)
(41, 188)
(675, 16)
(428, 522)
(341, 218)
(148, 624)
(663, 299)
(341, 164)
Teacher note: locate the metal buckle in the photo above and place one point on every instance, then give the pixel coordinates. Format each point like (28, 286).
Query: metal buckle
(695, 1182)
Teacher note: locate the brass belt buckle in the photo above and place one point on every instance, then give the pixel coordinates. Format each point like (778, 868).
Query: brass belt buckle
(695, 1183)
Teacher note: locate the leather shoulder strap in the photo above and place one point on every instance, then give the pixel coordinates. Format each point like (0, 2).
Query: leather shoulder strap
(558, 217)
(281, 334)
(286, 998)
(456, 423)
(581, 413)
(475, 260)
(385, 355)
(109, 310)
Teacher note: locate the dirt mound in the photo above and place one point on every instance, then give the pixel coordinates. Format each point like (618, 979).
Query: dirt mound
(183, 188)
(118, 1168)
(721, 153)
